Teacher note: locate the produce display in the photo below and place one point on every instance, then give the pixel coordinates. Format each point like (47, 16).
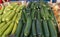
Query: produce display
(34, 20)
(9, 18)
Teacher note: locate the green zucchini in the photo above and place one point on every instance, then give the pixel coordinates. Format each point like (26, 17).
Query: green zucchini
(42, 13)
(46, 13)
(19, 28)
(28, 25)
(52, 29)
(39, 28)
(22, 33)
(34, 29)
(45, 28)
(53, 18)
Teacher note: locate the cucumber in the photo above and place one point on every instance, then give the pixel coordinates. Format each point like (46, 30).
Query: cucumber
(19, 28)
(9, 17)
(4, 28)
(8, 30)
(45, 28)
(52, 29)
(34, 29)
(28, 25)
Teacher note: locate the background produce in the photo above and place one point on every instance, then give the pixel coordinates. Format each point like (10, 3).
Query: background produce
(38, 20)
(34, 20)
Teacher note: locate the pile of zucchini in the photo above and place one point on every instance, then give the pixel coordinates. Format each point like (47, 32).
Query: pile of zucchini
(34, 20)
(37, 20)
(9, 18)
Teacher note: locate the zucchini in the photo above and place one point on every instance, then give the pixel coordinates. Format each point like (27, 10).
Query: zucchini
(9, 17)
(19, 28)
(19, 8)
(7, 8)
(39, 28)
(2, 24)
(53, 18)
(34, 29)
(22, 34)
(28, 25)
(15, 8)
(45, 28)
(46, 13)
(8, 30)
(19, 16)
(42, 13)
(30, 35)
(52, 29)
(14, 28)
(15, 16)
(4, 28)
(5, 15)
